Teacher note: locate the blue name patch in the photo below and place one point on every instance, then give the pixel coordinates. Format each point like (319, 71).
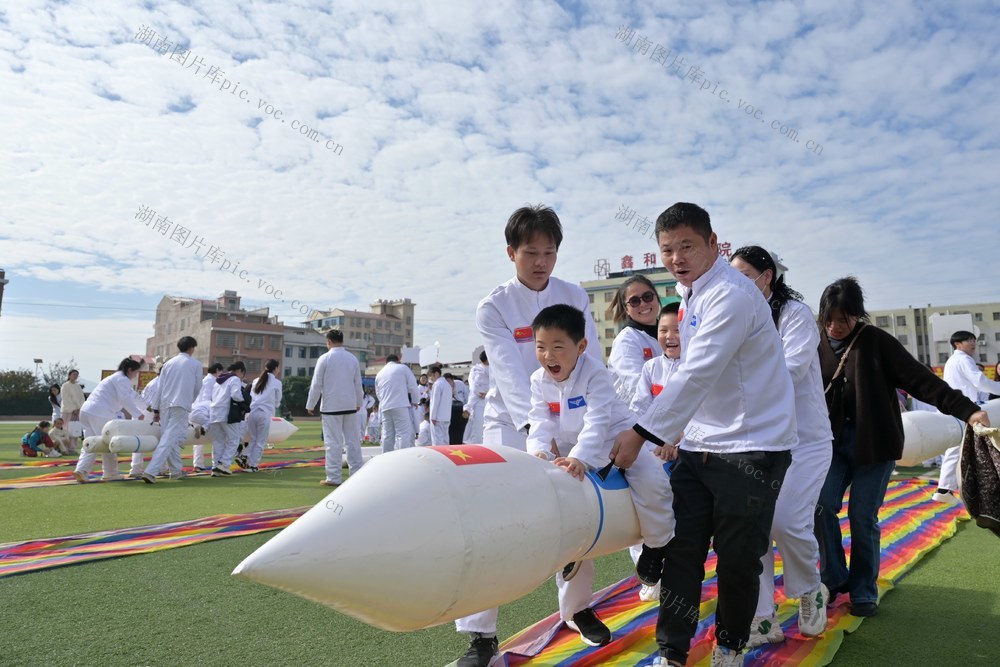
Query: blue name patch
(577, 402)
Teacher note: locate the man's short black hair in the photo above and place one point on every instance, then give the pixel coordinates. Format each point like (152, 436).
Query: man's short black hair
(216, 367)
(435, 368)
(673, 308)
(683, 214)
(961, 337)
(186, 344)
(562, 317)
(335, 336)
(529, 221)
(391, 357)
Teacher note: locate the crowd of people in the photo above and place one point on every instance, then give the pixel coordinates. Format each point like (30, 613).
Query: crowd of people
(738, 416)
(760, 414)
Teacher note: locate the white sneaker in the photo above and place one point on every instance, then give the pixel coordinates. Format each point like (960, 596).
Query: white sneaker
(726, 657)
(765, 630)
(812, 611)
(948, 498)
(650, 594)
(113, 478)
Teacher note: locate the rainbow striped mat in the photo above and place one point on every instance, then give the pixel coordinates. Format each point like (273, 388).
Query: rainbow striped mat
(66, 476)
(34, 555)
(912, 525)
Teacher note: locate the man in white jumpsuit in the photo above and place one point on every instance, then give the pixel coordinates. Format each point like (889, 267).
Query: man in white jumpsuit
(180, 382)
(396, 389)
(441, 397)
(479, 384)
(962, 373)
(337, 380)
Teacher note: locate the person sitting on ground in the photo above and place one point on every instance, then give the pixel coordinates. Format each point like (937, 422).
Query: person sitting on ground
(38, 443)
(60, 437)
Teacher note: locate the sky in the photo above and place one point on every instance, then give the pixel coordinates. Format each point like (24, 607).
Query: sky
(157, 148)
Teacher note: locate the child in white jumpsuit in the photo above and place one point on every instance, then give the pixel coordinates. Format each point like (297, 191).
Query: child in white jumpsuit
(575, 415)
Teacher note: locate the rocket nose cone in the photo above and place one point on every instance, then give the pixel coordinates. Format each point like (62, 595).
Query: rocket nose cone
(383, 547)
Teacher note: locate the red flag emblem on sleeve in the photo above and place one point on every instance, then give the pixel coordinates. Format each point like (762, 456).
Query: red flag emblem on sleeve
(656, 389)
(647, 353)
(554, 408)
(466, 455)
(523, 334)
(680, 315)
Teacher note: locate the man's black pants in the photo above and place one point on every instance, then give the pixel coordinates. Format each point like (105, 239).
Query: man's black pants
(728, 497)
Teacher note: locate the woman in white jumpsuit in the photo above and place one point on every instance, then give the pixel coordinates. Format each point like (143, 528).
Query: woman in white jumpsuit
(265, 397)
(794, 513)
(112, 394)
(225, 436)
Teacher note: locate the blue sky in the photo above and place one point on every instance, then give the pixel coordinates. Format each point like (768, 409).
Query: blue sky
(450, 115)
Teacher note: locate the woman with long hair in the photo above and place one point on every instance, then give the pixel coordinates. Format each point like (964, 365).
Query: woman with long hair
(794, 512)
(55, 402)
(265, 398)
(862, 367)
(111, 395)
(224, 427)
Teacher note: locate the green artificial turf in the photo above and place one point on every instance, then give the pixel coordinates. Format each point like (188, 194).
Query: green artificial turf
(182, 607)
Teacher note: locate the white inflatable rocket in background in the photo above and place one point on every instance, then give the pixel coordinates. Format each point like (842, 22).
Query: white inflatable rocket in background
(133, 435)
(929, 434)
(478, 527)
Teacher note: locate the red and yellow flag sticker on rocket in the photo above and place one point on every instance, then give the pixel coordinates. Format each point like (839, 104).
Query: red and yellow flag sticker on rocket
(523, 334)
(465, 455)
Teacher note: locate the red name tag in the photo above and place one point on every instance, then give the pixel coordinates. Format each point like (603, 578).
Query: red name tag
(523, 334)
(554, 408)
(647, 353)
(656, 389)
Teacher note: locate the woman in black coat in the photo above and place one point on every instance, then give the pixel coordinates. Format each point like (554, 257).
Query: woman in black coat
(862, 367)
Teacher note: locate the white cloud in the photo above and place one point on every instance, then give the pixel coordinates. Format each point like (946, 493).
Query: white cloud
(453, 114)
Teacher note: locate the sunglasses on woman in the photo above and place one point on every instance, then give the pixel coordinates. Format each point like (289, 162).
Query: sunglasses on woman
(645, 298)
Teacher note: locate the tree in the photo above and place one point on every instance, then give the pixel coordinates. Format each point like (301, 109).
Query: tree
(19, 383)
(295, 391)
(58, 372)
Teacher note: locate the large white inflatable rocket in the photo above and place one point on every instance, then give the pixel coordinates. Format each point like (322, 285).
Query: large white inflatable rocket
(426, 535)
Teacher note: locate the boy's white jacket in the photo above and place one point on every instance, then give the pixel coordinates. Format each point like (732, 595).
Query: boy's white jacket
(655, 375)
(732, 392)
(583, 412)
(632, 349)
(504, 321)
(800, 341)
